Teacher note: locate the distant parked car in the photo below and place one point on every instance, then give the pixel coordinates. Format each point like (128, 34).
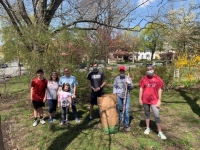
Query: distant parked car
(4, 65)
(159, 64)
(81, 66)
(20, 64)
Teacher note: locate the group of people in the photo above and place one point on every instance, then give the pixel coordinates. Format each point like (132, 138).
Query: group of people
(62, 93)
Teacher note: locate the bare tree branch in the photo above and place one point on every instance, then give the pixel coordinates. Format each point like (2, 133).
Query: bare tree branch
(23, 12)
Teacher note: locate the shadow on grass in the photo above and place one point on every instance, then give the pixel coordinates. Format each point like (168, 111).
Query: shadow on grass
(152, 125)
(91, 131)
(74, 130)
(191, 101)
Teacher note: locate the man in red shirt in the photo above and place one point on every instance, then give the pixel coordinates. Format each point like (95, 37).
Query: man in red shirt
(38, 96)
(150, 97)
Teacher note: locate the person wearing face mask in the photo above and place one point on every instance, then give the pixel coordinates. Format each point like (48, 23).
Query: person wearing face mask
(96, 81)
(122, 84)
(150, 97)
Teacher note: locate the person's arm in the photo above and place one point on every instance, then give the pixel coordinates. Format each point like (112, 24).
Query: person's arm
(103, 84)
(103, 81)
(129, 83)
(59, 89)
(59, 85)
(159, 97)
(115, 87)
(31, 93)
(74, 90)
(45, 96)
(70, 101)
(89, 84)
(140, 95)
(58, 98)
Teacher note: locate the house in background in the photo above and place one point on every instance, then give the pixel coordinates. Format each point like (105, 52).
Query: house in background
(145, 55)
(118, 56)
(122, 55)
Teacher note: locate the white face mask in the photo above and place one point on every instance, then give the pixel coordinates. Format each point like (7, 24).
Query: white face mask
(150, 72)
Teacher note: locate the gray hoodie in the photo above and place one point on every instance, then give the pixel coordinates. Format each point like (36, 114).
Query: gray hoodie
(119, 86)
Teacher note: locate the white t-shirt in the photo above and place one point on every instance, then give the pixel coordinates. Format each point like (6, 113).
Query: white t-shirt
(65, 98)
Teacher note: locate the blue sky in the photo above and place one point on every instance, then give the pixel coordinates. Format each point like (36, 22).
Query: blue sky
(151, 7)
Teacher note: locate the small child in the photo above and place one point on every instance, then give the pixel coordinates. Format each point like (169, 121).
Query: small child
(65, 101)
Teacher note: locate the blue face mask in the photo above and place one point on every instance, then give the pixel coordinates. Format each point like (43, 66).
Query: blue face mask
(95, 69)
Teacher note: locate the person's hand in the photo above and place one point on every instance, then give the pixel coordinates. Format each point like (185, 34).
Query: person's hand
(94, 89)
(97, 89)
(140, 102)
(74, 96)
(128, 81)
(44, 100)
(158, 104)
(70, 106)
(58, 105)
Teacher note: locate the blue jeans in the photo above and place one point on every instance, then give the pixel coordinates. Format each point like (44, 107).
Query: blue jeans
(74, 110)
(126, 111)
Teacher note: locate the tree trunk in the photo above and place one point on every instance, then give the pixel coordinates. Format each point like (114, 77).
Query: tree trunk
(19, 67)
(133, 58)
(152, 53)
(1, 137)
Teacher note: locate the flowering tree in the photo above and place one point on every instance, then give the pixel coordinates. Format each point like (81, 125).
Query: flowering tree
(182, 29)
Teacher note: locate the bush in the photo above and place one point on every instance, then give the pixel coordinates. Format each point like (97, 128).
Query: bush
(164, 72)
(83, 91)
(138, 73)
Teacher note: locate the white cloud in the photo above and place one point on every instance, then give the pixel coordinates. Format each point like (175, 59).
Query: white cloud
(146, 2)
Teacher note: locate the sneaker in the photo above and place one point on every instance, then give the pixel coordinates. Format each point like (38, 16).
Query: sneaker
(42, 121)
(121, 124)
(147, 131)
(127, 129)
(50, 120)
(54, 120)
(35, 122)
(162, 136)
(77, 120)
(62, 123)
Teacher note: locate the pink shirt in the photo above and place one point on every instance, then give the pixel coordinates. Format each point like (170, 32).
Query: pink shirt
(150, 86)
(65, 98)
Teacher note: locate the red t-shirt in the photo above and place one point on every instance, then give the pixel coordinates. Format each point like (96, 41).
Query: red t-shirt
(150, 86)
(39, 88)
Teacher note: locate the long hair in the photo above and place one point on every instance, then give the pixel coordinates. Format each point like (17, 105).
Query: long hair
(66, 84)
(51, 79)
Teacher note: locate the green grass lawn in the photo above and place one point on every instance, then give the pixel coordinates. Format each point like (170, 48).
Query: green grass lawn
(180, 115)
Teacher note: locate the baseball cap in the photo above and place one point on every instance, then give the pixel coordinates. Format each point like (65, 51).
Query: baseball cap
(122, 68)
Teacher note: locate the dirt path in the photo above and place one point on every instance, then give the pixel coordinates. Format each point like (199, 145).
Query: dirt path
(6, 136)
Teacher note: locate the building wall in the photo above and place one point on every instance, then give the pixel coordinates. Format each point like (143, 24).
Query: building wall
(144, 55)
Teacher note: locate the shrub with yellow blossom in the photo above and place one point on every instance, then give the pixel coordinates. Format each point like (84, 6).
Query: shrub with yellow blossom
(184, 60)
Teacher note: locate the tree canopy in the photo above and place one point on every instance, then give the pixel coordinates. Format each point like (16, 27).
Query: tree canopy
(153, 37)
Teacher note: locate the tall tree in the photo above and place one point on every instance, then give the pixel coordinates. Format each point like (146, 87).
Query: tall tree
(32, 19)
(153, 37)
(183, 30)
